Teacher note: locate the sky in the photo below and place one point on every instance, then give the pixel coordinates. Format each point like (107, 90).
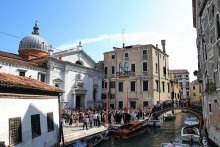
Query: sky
(101, 25)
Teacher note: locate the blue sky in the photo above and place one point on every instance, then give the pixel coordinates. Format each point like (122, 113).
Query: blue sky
(99, 25)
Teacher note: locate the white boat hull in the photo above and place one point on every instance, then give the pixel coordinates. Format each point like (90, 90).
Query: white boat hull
(190, 134)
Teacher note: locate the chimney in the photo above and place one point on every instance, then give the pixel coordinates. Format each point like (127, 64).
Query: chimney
(163, 43)
(157, 46)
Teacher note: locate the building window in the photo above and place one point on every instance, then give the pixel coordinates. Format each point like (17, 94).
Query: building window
(113, 56)
(112, 96)
(145, 66)
(210, 108)
(103, 96)
(42, 77)
(194, 87)
(145, 103)
(22, 73)
(163, 86)
(106, 70)
(168, 87)
(218, 26)
(35, 125)
(133, 86)
(145, 85)
(103, 84)
(112, 106)
(94, 94)
(132, 67)
(113, 69)
(15, 131)
(213, 10)
(50, 124)
(156, 68)
(194, 94)
(120, 86)
(157, 85)
(106, 84)
(112, 84)
(120, 104)
(144, 52)
(126, 55)
(164, 71)
(133, 104)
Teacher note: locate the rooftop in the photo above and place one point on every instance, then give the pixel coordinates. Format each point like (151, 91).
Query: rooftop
(19, 82)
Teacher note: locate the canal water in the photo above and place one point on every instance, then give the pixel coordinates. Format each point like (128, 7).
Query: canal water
(153, 137)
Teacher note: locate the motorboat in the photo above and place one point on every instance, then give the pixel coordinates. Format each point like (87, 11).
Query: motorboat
(173, 145)
(169, 116)
(130, 129)
(191, 121)
(190, 134)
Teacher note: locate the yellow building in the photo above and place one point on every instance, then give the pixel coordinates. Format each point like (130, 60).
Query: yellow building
(175, 89)
(136, 76)
(195, 92)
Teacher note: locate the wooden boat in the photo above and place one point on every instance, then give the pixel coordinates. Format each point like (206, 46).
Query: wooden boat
(131, 129)
(173, 145)
(191, 121)
(190, 134)
(89, 141)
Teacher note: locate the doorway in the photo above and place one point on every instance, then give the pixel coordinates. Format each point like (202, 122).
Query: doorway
(133, 104)
(78, 101)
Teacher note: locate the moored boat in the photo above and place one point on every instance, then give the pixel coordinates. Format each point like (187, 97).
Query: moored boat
(191, 121)
(190, 134)
(173, 145)
(131, 129)
(169, 116)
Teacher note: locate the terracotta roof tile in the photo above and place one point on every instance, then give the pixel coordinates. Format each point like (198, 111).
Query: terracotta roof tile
(10, 55)
(8, 80)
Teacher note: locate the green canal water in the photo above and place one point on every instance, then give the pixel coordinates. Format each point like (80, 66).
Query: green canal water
(153, 137)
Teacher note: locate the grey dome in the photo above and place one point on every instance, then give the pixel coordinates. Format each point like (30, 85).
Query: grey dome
(34, 42)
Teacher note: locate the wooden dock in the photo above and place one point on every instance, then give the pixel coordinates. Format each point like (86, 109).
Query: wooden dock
(72, 133)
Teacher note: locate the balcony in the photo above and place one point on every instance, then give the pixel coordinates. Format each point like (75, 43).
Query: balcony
(124, 74)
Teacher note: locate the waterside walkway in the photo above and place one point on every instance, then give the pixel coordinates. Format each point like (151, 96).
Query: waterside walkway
(73, 133)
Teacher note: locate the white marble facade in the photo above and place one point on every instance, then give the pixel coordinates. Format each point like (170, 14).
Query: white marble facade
(73, 70)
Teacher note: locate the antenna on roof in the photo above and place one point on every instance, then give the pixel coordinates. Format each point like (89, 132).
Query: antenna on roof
(123, 44)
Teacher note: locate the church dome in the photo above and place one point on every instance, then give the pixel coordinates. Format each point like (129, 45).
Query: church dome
(34, 45)
(34, 42)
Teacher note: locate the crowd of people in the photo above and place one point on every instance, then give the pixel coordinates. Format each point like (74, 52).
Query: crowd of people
(95, 117)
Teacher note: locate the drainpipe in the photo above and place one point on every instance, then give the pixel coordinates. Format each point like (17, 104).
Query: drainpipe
(61, 135)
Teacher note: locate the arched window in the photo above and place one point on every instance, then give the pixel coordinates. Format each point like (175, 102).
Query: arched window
(218, 26)
(79, 62)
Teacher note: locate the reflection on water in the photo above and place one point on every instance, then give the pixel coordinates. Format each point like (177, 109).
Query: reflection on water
(153, 137)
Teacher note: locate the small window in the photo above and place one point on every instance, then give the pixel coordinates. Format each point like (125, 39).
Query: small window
(168, 87)
(106, 84)
(15, 131)
(113, 69)
(157, 85)
(144, 52)
(126, 55)
(50, 123)
(194, 94)
(132, 67)
(113, 56)
(79, 62)
(163, 86)
(194, 87)
(106, 70)
(145, 85)
(120, 104)
(120, 86)
(42, 77)
(156, 68)
(210, 108)
(103, 84)
(22, 73)
(145, 66)
(112, 84)
(133, 86)
(145, 103)
(35, 125)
